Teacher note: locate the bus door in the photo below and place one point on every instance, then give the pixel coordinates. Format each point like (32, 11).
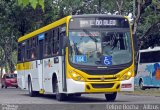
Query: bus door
(40, 60)
(62, 37)
(48, 66)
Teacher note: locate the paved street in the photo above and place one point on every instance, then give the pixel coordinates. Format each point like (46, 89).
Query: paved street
(13, 98)
(18, 96)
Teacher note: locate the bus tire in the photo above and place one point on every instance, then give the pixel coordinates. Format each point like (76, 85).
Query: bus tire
(74, 95)
(111, 97)
(78, 95)
(59, 96)
(141, 85)
(30, 89)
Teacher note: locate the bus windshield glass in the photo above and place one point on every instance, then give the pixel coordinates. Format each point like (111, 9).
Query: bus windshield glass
(100, 48)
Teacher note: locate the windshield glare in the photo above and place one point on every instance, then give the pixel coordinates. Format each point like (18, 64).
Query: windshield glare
(99, 48)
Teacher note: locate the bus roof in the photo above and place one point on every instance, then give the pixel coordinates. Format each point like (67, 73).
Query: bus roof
(62, 21)
(150, 49)
(45, 28)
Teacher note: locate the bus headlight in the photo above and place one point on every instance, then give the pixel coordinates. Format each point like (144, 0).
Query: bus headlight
(75, 76)
(127, 75)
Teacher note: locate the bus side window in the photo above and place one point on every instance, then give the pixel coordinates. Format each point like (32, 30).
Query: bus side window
(19, 53)
(28, 49)
(23, 49)
(55, 41)
(142, 58)
(47, 51)
(33, 48)
(146, 57)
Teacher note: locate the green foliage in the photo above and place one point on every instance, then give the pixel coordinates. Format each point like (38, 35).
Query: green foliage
(148, 29)
(25, 2)
(150, 16)
(33, 3)
(20, 2)
(41, 3)
(15, 21)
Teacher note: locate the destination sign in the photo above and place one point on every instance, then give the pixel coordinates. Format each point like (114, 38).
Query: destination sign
(85, 23)
(76, 23)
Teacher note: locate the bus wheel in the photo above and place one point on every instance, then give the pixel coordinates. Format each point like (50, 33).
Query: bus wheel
(78, 95)
(141, 85)
(2, 86)
(30, 90)
(59, 96)
(111, 97)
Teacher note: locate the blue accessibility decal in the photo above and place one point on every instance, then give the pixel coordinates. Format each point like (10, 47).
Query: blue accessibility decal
(106, 60)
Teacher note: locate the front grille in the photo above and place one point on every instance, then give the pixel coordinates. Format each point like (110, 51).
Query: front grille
(101, 72)
(113, 78)
(110, 85)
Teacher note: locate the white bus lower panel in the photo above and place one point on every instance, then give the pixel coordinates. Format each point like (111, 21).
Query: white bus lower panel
(127, 85)
(75, 86)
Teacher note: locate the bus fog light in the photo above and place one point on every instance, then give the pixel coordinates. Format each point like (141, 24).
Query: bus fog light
(75, 76)
(127, 75)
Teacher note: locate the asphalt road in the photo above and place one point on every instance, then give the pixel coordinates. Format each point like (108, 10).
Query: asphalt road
(85, 102)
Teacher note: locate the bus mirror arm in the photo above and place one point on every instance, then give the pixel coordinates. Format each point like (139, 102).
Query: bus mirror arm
(65, 42)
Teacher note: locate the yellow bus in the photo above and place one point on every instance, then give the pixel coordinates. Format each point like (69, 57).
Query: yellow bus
(78, 54)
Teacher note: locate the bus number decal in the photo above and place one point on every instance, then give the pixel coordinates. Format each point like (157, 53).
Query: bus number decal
(80, 58)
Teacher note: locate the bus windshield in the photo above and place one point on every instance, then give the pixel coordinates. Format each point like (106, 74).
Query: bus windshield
(99, 48)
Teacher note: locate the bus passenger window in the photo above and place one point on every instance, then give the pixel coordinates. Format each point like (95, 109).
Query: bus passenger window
(28, 49)
(33, 55)
(33, 49)
(55, 42)
(47, 46)
(19, 53)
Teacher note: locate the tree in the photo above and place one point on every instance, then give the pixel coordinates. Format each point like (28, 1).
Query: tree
(33, 3)
(147, 17)
(16, 21)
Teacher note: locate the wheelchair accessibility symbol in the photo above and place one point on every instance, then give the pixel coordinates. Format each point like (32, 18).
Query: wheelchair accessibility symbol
(107, 60)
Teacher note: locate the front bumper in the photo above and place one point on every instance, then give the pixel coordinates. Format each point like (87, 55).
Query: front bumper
(99, 87)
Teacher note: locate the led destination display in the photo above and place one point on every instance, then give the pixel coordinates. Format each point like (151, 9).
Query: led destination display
(77, 23)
